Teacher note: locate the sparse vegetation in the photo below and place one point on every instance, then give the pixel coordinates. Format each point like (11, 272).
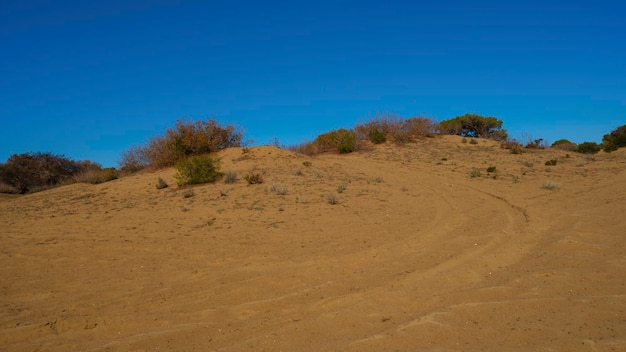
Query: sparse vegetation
(514, 146)
(254, 178)
(475, 173)
(551, 185)
(551, 162)
(188, 194)
(196, 170)
(332, 199)
(230, 177)
(279, 189)
(491, 169)
(161, 184)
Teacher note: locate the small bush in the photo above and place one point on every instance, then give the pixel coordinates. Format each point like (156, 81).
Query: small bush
(551, 185)
(341, 188)
(254, 178)
(281, 190)
(473, 141)
(230, 177)
(332, 199)
(475, 173)
(551, 162)
(161, 184)
(491, 169)
(514, 146)
(197, 170)
(189, 193)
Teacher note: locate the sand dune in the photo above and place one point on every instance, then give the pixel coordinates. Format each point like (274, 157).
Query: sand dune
(416, 255)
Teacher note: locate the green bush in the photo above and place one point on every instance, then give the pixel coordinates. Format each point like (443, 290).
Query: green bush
(588, 148)
(564, 144)
(551, 162)
(196, 170)
(615, 140)
(473, 125)
(491, 169)
(341, 140)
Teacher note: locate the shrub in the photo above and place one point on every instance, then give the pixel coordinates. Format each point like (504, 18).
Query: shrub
(551, 162)
(475, 173)
(341, 140)
(551, 185)
(254, 178)
(564, 144)
(230, 177)
(161, 184)
(96, 175)
(614, 140)
(535, 144)
(187, 138)
(491, 169)
(514, 146)
(196, 170)
(394, 127)
(133, 160)
(281, 190)
(39, 171)
(332, 199)
(8, 189)
(588, 148)
(473, 125)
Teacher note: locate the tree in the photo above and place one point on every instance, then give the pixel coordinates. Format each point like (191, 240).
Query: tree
(473, 125)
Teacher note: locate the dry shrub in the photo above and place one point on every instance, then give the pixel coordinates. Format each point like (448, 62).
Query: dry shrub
(39, 171)
(512, 145)
(95, 175)
(8, 189)
(279, 189)
(395, 128)
(254, 178)
(187, 138)
(230, 177)
(161, 184)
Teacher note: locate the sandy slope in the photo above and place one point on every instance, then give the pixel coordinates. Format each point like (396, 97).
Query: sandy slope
(416, 256)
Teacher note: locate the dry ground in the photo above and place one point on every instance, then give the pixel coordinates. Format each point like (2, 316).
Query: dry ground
(415, 256)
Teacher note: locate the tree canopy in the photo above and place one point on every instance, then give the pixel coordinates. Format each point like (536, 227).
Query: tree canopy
(473, 125)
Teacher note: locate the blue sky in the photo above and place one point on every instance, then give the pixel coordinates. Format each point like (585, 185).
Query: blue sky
(90, 79)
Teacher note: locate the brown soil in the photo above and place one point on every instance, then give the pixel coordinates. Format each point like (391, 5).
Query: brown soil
(415, 256)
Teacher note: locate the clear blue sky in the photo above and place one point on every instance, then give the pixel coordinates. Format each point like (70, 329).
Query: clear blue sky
(90, 79)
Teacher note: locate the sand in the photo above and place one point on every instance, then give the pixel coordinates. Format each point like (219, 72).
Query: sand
(416, 255)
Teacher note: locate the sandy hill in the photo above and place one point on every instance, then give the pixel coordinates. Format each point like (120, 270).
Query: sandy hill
(424, 250)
